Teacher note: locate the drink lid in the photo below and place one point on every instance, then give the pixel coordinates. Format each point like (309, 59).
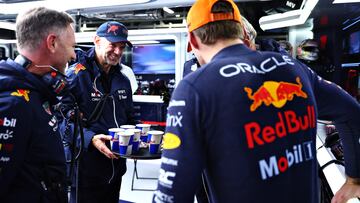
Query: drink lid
(125, 133)
(116, 129)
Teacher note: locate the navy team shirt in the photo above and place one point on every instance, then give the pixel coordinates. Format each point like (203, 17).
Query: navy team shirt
(248, 121)
(32, 160)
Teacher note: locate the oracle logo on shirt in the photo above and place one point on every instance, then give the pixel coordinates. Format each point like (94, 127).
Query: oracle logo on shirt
(265, 66)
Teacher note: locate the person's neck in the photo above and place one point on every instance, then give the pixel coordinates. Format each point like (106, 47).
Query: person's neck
(37, 58)
(211, 50)
(104, 66)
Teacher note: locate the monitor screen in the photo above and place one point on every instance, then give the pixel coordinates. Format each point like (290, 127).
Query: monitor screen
(154, 58)
(352, 43)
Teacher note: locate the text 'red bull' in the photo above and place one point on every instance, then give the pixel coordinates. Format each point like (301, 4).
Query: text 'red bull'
(288, 122)
(276, 93)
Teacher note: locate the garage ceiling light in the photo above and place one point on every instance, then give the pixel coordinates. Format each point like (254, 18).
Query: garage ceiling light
(63, 5)
(145, 42)
(8, 41)
(345, 1)
(7, 25)
(168, 10)
(287, 19)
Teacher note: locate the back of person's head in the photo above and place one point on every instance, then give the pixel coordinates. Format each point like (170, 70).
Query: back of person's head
(35, 24)
(249, 33)
(212, 20)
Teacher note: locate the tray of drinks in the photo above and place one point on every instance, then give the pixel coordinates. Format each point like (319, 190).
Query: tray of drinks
(142, 153)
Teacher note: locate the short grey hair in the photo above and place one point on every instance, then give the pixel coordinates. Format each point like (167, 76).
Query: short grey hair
(35, 24)
(249, 29)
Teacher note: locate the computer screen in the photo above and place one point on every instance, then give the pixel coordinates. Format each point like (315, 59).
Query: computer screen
(352, 43)
(154, 58)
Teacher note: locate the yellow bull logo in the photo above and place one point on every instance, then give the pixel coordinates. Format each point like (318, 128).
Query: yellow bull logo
(275, 93)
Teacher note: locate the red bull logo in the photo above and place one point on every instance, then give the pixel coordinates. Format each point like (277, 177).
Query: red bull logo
(275, 93)
(22, 93)
(112, 28)
(287, 122)
(79, 67)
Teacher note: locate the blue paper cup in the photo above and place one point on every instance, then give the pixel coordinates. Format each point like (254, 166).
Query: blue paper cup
(155, 138)
(144, 129)
(126, 127)
(124, 141)
(114, 145)
(113, 131)
(154, 148)
(135, 147)
(135, 140)
(123, 149)
(114, 142)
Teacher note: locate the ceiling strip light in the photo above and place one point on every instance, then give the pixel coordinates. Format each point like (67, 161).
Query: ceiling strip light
(345, 1)
(145, 42)
(168, 10)
(287, 19)
(64, 5)
(7, 25)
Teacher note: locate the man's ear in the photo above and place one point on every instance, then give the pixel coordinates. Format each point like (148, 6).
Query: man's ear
(96, 40)
(247, 42)
(193, 41)
(51, 42)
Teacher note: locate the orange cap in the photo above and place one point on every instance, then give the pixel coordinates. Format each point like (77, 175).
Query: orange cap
(200, 14)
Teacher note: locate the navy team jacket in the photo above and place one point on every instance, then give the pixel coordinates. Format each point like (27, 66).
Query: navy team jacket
(248, 121)
(86, 85)
(32, 157)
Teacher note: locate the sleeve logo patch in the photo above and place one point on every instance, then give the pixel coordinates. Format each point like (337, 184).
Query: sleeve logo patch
(171, 141)
(79, 67)
(22, 93)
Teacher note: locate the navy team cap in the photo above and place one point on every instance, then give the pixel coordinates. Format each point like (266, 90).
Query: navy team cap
(114, 32)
